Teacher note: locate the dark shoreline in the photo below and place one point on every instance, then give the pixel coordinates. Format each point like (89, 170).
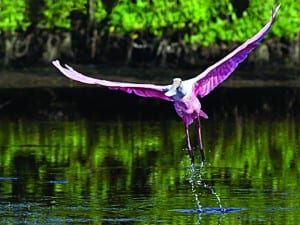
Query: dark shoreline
(244, 76)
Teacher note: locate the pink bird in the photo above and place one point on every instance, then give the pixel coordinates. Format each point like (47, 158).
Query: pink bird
(185, 93)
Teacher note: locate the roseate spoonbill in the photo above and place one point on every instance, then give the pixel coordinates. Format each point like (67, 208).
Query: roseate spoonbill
(185, 93)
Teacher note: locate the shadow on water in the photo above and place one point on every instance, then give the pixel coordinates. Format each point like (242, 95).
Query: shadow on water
(129, 167)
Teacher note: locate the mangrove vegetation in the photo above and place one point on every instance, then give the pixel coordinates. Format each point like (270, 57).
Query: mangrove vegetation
(143, 32)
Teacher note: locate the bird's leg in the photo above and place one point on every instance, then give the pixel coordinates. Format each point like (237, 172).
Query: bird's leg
(189, 143)
(200, 140)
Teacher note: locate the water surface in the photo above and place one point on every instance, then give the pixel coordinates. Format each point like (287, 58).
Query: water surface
(135, 170)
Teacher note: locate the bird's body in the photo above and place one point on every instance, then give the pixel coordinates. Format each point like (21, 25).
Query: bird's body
(188, 108)
(185, 93)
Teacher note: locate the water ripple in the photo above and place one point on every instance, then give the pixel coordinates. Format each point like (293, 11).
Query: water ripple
(209, 210)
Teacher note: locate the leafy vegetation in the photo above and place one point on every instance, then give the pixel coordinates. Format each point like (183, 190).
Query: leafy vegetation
(56, 14)
(194, 21)
(13, 15)
(184, 32)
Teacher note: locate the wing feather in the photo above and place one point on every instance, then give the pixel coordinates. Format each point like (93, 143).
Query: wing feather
(144, 90)
(217, 73)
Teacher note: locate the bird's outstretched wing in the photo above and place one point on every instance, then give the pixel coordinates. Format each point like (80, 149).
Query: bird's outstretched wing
(205, 82)
(144, 90)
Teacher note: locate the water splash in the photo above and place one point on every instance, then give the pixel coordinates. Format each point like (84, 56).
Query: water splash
(191, 179)
(195, 178)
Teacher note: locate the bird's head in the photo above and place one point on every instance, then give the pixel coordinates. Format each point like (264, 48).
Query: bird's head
(173, 89)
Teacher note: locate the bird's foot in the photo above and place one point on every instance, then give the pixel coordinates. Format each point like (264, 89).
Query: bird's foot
(192, 160)
(192, 157)
(202, 155)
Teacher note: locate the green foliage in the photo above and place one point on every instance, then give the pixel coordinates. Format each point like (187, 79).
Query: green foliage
(203, 21)
(207, 20)
(99, 10)
(57, 12)
(13, 15)
(127, 16)
(288, 23)
(194, 21)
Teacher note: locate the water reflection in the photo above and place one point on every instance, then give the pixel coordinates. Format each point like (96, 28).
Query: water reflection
(136, 172)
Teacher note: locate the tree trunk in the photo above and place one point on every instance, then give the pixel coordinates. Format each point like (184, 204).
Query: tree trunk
(295, 50)
(21, 46)
(8, 50)
(90, 32)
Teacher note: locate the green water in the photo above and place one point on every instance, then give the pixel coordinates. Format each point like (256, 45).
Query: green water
(138, 172)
